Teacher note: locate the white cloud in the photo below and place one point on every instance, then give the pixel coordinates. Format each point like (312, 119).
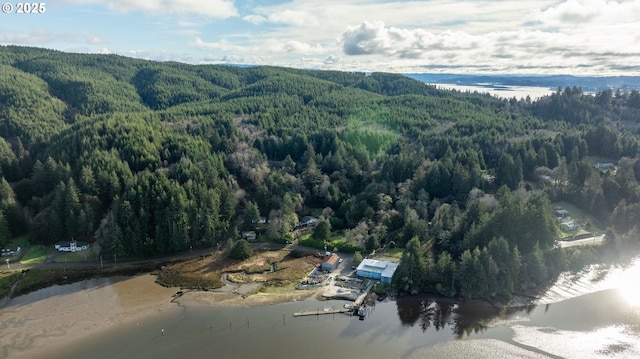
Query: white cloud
(219, 9)
(255, 19)
(222, 45)
(284, 17)
(332, 60)
(293, 17)
(34, 37)
(550, 36)
(302, 47)
(42, 36)
(187, 32)
(332, 17)
(95, 40)
(270, 46)
(524, 50)
(573, 12)
(595, 25)
(375, 38)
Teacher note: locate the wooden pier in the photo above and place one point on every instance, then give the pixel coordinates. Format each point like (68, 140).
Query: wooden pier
(320, 312)
(357, 303)
(360, 299)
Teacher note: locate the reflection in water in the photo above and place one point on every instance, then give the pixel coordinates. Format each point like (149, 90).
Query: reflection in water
(625, 283)
(427, 312)
(595, 325)
(591, 326)
(463, 319)
(596, 278)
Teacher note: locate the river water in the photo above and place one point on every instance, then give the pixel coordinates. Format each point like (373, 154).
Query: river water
(587, 320)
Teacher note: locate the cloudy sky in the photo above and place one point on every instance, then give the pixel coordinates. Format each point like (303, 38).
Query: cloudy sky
(579, 37)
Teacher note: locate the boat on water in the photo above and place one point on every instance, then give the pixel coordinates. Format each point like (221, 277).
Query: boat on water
(381, 297)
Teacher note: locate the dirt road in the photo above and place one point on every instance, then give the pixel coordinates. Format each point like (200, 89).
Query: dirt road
(590, 241)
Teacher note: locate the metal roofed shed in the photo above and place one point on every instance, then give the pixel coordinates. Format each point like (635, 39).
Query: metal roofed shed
(374, 269)
(331, 263)
(561, 213)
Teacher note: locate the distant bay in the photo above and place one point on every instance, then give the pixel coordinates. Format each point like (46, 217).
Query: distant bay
(501, 91)
(507, 86)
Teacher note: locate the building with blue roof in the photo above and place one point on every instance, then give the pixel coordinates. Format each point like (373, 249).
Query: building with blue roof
(375, 269)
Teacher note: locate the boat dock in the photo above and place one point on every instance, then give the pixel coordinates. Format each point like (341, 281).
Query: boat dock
(320, 312)
(357, 304)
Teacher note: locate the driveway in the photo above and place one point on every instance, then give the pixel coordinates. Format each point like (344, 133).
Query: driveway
(590, 241)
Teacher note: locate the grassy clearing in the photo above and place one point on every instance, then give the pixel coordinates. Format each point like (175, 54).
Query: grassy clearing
(82, 256)
(372, 129)
(393, 253)
(373, 115)
(206, 272)
(374, 139)
(586, 222)
(36, 254)
(31, 253)
(288, 271)
(338, 243)
(201, 273)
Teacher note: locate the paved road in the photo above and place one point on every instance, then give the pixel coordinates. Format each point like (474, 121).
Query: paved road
(110, 262)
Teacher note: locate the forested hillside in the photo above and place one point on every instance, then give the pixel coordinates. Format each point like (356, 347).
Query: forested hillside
(142, 158)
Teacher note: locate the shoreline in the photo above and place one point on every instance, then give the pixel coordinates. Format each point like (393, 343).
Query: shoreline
(228, 299)
(128, 300)
(33, 324)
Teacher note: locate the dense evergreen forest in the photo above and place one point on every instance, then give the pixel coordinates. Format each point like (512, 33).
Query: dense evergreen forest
(143, 158)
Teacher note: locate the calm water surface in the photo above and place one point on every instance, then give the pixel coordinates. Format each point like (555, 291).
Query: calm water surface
(597, 325)
(600, 324)
(501, 91)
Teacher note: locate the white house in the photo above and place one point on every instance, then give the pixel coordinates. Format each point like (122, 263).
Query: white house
(72, 246)
(307, 221)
